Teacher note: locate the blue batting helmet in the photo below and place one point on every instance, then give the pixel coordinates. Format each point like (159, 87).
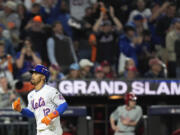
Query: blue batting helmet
(42, 70)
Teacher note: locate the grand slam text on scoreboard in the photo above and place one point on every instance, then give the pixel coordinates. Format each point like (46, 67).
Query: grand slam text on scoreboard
(119, 87)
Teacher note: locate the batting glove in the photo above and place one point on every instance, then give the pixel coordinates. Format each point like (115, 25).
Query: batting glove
(16, 105)
(47, 119)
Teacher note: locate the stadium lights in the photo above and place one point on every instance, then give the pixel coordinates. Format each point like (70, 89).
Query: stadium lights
(115, 97)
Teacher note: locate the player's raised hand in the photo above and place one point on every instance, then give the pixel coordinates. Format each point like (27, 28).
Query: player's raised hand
(47, 119)
(16, 105)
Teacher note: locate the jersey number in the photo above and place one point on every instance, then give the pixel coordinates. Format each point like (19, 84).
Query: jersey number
(46, 111)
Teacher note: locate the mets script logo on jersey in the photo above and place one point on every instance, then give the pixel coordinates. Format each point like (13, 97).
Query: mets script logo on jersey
(38, 104)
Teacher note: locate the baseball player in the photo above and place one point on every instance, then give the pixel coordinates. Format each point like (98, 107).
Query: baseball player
(127, 116)
(45, 103)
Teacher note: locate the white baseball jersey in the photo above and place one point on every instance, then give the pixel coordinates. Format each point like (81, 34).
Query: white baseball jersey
(122, 113)
(41, 103)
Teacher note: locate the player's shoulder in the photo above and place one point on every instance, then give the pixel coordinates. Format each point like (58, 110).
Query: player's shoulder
(138, 107)
(31, 93)
(50, 89)
(121, 107)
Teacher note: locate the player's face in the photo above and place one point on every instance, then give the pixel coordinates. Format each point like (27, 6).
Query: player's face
(36, 78)
(132, 103)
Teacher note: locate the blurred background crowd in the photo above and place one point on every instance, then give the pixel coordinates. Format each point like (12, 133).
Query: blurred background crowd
(102, 39)
(87, 39)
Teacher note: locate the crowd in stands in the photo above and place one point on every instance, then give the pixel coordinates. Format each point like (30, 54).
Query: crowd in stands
(89, 39)
(86, 39)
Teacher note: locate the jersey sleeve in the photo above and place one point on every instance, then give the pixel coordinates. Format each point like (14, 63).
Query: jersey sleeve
(115, 114)
(29, 103)
(57, 97)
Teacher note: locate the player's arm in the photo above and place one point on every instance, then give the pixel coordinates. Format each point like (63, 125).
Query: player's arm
(26, 112)
(61, 108)
(16, 105)
(113, 117)
(113, 125)
(61, 103)
(132, 123)
(59, 111)
(129, 122)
